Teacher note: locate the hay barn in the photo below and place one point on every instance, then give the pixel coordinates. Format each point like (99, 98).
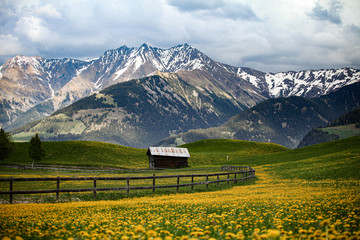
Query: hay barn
(167, 157)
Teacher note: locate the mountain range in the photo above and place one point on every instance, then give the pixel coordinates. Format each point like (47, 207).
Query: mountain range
(138, 96)
(136, 113)
(34, 87)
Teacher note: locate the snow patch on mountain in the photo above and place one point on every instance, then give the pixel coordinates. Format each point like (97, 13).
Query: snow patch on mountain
(310, 83)
(248, 77)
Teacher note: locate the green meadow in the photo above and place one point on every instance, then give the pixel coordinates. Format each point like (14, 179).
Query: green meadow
(307, 193)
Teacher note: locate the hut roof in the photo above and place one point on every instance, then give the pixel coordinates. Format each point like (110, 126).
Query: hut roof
(168, 151)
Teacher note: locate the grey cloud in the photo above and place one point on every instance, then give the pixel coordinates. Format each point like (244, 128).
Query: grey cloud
(223, 9)
(332, 14)
(195, 5)
(238, 10)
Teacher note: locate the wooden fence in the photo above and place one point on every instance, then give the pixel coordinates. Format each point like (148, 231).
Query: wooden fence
(235, 173)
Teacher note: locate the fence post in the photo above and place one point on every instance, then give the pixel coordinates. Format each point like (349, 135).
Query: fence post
(94, 188)
(178, 181)
(11, 189)
(218, 176)
(154, 182)
(235, 178)
(128, 185)
(192, 181)
(228, 178)
(207, 180)
(57, 187)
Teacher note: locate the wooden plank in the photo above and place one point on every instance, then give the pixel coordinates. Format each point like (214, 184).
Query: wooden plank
(57, 188)
(103, 178)
(177, 183)
(207, 180)
(128, 186)
(94, 188)
(11, 192)
(154, 182)
(192, 181)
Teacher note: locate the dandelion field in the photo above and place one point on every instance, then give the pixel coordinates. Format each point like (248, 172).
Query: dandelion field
(278, 205)
(269, 209)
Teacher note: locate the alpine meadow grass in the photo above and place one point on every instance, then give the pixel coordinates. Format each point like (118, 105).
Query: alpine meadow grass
(308, 193)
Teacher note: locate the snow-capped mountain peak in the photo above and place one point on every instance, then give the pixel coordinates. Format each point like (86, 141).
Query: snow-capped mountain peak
(28, 81)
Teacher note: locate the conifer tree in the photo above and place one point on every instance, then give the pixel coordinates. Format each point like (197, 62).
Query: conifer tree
(6, 145)
(36, 152)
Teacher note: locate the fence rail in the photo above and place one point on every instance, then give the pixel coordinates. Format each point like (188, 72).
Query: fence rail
(235, 173)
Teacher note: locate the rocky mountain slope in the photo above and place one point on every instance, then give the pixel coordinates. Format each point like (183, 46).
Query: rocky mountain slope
(34, 87)
(345, 126)
(136, 113)
(280, 120)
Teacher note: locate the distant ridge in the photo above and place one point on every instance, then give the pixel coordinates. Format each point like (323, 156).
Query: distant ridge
(284, 121)
(345, 126)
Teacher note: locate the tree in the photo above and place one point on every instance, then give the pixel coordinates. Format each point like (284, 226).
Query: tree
(36, 152)
(6, 145)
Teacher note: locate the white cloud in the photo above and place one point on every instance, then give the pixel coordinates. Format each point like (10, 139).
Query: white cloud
(10, 45)
(49, 10)
(272, 35)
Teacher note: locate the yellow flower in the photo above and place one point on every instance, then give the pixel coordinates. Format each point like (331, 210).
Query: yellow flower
(325, 223)
(139, 229)
(124, 237)
(272, 233)
(151, 233)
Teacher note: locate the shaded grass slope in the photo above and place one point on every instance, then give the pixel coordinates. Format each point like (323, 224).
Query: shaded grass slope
(338, 159)
(83, 153)
(228, 151)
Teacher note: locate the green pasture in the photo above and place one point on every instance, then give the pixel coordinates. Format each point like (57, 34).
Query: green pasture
(339, 160)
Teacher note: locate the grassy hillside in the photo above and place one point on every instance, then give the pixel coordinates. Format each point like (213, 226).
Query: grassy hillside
(338, 159)
(331, 160)
(275, 207)
(228, 151)
(84, 153)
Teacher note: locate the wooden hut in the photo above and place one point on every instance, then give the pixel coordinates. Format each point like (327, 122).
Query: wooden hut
(167, 157)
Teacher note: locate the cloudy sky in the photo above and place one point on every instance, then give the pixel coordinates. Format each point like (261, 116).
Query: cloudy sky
(268, 35)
